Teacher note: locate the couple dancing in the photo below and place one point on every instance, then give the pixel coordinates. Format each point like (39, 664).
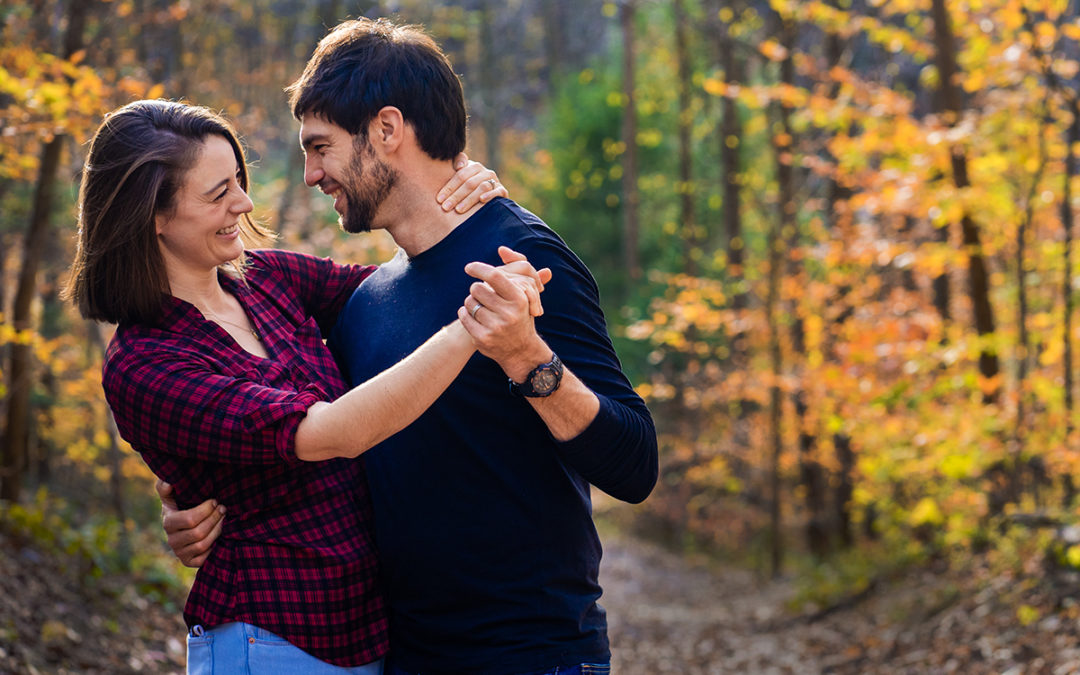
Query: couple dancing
(462, 540)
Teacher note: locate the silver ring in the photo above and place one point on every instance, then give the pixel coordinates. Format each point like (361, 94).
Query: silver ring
(491, 182)
(474, 310)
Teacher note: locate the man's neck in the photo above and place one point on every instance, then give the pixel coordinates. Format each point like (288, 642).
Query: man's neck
(419, 221)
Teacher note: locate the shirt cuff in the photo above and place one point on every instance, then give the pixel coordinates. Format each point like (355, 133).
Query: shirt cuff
(606, 425)
(281, 419)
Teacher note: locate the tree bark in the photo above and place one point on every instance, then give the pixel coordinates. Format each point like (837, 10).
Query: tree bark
(553, 43)
(685, 188)
(839, 219)
(729, 139)
(13, 455)
(631, 225)
(1072, 140)
(978, 278)
(489, 86)
(776, 541)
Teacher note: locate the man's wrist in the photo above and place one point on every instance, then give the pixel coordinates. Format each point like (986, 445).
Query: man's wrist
(518, 367)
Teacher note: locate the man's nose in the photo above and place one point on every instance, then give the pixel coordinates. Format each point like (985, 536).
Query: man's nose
(313, 172)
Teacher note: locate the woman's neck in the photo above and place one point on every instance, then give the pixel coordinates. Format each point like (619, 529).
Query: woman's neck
(203, 289)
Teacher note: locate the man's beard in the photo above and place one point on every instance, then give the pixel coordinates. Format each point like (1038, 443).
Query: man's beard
(364, 197)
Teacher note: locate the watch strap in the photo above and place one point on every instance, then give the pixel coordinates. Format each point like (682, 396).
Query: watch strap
(543, 380)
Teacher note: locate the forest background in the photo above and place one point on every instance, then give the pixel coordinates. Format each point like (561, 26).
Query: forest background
(834, 241)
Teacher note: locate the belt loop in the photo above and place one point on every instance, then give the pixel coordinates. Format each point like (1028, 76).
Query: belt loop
(196, 631)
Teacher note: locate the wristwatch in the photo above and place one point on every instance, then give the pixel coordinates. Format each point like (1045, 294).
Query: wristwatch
(541, 381)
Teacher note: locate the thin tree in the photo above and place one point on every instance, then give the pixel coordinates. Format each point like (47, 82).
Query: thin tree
(978, 278)
(783, 239)
(489, 84)
(13, 454)
(838, 216)
(630, 210)
(685, 188)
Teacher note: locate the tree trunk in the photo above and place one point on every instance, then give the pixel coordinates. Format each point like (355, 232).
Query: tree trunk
(776, 542)
(838, 216)
(115, 460)
(21, 365)
(730, 147)
(553, 43)
(13, 454)
(631, 226)
(1073, 139)
(730, 161)
(978, 278)
(1023, 346)
(685, 188)
(489, 86)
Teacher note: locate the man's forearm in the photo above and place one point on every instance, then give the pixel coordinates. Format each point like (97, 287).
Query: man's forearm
(568, 411)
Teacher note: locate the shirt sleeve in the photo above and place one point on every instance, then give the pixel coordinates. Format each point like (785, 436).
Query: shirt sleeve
(617, 452)
(322, 286)
(173, 402)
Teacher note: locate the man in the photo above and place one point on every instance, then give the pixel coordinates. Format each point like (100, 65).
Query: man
(482, 509)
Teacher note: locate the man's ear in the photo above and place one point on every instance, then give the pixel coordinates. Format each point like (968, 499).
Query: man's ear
(387, 129)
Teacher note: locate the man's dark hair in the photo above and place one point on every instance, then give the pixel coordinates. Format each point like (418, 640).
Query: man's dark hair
(364, 65)
(136, 164)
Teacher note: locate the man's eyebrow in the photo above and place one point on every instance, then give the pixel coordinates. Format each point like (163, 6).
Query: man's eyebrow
(310, 139)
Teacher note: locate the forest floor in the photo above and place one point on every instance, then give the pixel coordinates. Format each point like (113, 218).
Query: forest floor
(667, 613)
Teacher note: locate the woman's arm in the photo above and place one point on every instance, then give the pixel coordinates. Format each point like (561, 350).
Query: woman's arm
(387, 403)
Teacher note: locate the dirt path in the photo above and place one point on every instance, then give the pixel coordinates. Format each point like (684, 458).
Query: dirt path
(669, 615)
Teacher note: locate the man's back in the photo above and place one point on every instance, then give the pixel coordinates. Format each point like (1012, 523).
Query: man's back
(483, 521)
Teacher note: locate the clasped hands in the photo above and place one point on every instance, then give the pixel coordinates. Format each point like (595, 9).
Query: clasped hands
(498, 312)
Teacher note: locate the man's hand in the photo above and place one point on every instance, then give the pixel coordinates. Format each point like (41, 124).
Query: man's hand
(527, 277)
(191, 533)
(497, 314)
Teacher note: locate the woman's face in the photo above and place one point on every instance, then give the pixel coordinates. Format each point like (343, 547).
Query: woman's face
(202, 230)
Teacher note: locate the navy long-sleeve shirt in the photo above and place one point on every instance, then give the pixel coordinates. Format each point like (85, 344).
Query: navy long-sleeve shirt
(483, 520)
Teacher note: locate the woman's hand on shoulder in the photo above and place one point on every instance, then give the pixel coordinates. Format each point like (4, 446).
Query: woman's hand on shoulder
(472, 184)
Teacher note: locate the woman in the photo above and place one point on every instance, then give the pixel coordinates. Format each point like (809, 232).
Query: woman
(223, 384)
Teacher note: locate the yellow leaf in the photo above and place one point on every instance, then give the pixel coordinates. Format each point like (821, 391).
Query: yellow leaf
(773, 50)
(156, 91)
(1072, 556)
(715, 86)
(926, 512)
(1027, 615)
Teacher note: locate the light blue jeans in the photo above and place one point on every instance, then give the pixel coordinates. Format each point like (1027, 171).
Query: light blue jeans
(240, 648)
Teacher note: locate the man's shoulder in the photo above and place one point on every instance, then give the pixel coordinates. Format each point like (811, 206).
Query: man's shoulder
(507, 212)
(519, 228)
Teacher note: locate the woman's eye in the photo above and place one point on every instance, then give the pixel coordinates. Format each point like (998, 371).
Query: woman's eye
(222, 195)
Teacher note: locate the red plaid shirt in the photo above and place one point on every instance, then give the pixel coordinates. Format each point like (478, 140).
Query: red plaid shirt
(296, 556)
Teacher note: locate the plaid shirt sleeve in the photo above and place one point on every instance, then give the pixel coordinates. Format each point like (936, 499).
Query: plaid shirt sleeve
(168, 401)
(321, 285)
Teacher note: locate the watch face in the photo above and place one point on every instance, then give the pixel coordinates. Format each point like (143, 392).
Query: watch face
(545, 380)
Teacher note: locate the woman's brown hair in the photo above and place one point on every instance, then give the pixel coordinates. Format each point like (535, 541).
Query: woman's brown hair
(136, 164)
